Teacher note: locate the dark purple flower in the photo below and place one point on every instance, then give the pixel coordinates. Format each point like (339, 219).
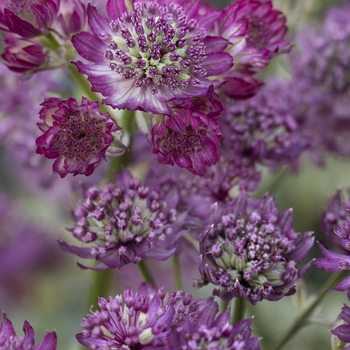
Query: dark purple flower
(138, 320)
(9, 339)
(214, 188)
(211, 332)
(125, 222)
(260, 130)
(28, 18)
(24, 56)
(266, 25)
(342, 332)
(71, 17)
(143, 57)
(333, 261)
(335, 213)
(251, 251)
(77, 136)
(190, 136)
(40, 32)
(325, 53)
(199, 193)
(256, 33)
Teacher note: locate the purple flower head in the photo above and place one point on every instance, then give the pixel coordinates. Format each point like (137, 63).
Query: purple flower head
(211, 332)
(41, 39)
(333, 261)
(251, 251)
(325, 53)
(138, 320)
(199, 193)
(24, 56)
(125, 222)
(143, 57)
(266, 26)
(9, 339)
(71, 18)
(190, 136)
(259, 130)
(341, 334)
(255, 31)
(26, 18)
(77, 136)
(335, 213)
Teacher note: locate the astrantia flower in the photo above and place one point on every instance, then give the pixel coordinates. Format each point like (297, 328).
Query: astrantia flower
(71, 17)
(259, 130)
(333, 261)
(256, 32)
(125, 222)
(190, 136)
(200, 193)
(335, 213)
(10, 341)
(139, 320)
(40, 32)
(266, 25)
(211, 332)
(325, 54)
(27, 18)
(22, 56)
(77, 136)
(146, 56)
(341, 334)
(251, 251)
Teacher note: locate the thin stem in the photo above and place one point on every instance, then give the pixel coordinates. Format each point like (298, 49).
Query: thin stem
(50, 42)
(83, 83)
(177, 272)
(127, 123)
(146, 273)
(302, 319)
(238, 310)
(192, 241)
(273, 184)
(99, 286)
(223, 306)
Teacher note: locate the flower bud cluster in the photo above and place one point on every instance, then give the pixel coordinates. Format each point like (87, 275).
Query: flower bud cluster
(252, 252)
(124, 223)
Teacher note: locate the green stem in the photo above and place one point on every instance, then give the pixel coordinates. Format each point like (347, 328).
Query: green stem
(239, 309)
(146, 273)
(99, 286)
(127, 123)
(223, 306)
(83, 83)
(177, 272)
(50, 42)
(303, 318)
(273, 184)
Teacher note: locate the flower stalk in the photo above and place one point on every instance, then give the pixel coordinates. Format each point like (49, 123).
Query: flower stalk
(146, 273)
(303, 318)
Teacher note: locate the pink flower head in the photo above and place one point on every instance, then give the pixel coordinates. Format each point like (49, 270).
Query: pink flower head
(140, 320)
(266, 26)
(77, 136)
(340, 260)
(126, 222)
(22, 55)
(9, 339)
(144, 57)
(256, 33)
(190, 136)
(71, 18)
(251, 251)
(26, 18)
